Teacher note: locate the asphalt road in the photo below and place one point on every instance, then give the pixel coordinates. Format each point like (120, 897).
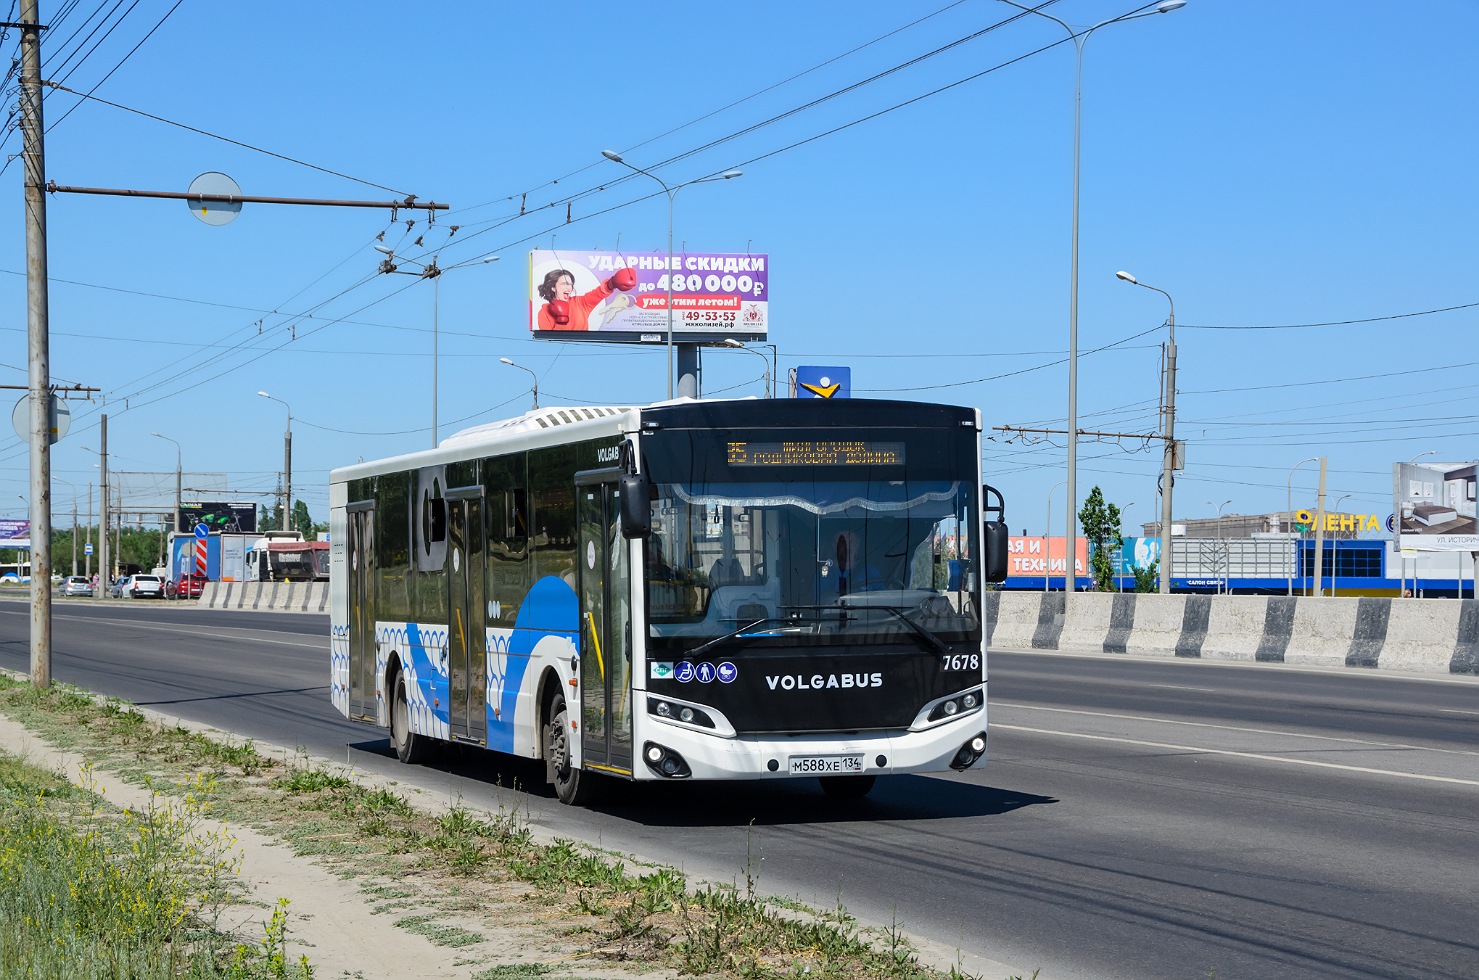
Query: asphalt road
(1134, 818)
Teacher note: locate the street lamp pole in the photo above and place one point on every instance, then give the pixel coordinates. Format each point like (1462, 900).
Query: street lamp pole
(178, 475)
(504, 360)
(287, 465)
(1401, 556)
(1047, 540)
(433, 272)
(1079, 39)
(1334, 551)
(688, 386)
(1289, 513)
(1222, 563)
(739, 345)
(1123, 510)
(1168, 462)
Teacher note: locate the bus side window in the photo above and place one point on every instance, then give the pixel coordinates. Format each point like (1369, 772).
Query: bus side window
(505, 489)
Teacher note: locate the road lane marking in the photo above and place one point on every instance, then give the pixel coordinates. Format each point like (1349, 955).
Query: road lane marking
(1182, 687)
(217, 632)
(1456, 711)
(1230, 728)
(1244, 755)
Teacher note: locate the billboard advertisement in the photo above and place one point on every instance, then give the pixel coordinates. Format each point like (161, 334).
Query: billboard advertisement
(240, 518)
(14, 533)
(1035, 557)
(623, 296)
(1433, 504)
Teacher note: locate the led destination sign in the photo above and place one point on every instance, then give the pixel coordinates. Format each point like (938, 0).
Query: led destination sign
(816, 452)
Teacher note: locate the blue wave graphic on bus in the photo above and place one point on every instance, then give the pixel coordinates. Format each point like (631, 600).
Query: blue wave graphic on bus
(550, 609)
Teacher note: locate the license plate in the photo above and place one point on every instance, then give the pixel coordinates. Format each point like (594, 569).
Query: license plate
(824, 764)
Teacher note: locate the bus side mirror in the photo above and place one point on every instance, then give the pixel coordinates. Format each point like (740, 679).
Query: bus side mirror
(998, 539)
(636, 505)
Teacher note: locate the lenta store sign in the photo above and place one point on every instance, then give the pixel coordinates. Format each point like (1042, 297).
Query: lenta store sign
(1304, 522)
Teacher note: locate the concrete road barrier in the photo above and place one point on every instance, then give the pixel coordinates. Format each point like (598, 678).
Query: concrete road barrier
(1426, 635)
(303, 597)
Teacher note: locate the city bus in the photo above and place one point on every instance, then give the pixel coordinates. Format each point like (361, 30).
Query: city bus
(694, 590)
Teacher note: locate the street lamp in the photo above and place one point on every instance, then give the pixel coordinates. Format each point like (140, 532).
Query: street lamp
(1118, 530)
(1168, 463)
(433, 272)
(1222, 583)
(739, 345)
(1397, 494)
(287, 464)
(1047, 541)
(178, 456)
(1289, 513)
(57, 479)
(690, 382)
(1335, 551)
(1079, 39)
(504, 360)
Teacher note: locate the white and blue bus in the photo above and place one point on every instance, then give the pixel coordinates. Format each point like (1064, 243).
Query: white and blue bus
(743, 589)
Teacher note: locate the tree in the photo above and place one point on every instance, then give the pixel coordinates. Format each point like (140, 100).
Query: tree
(1148, 579)
(302, 522)
(1101, 524)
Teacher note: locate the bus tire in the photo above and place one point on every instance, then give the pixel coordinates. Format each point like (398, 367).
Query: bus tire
(410, 747)
(572, 786)
(846, 787)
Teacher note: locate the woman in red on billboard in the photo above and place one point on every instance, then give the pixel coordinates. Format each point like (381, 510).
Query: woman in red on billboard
(563, 310)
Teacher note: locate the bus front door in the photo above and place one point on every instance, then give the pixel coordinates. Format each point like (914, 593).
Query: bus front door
(361, 559)
(605, 630)
(467, 645)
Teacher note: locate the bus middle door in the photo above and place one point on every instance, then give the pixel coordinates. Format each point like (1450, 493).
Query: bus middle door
(467, 642)
(605, 625)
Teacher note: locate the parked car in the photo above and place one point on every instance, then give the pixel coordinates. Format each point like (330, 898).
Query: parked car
(145, 587)
(119, 588)
(76, 585)
(190, 586)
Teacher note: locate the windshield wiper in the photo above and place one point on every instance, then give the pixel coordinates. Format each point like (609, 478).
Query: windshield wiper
(710, 644)
(939, 645)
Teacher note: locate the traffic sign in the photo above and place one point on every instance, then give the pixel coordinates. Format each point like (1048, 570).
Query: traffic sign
(87, 549)
(61, 418)
(202, 532)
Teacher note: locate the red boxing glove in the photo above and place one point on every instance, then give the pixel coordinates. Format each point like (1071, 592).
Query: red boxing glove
(559, 311)
(624, 279)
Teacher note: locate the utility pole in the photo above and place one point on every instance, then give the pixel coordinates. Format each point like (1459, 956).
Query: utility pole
(38, 344)
(104, 566)
(1320, 533)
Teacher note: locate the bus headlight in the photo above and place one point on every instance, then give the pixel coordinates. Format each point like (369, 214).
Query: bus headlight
(685, 713)
(959, 704)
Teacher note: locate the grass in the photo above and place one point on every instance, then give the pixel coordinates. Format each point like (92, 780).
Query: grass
(439, 874)
(87, 891)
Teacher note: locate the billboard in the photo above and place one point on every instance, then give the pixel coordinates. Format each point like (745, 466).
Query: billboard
(1032, 556)
(217, 517)
(623, 297)
(15, 533)
(1433, 506)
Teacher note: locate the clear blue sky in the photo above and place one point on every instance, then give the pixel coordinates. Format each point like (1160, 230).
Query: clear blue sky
(1305, 167)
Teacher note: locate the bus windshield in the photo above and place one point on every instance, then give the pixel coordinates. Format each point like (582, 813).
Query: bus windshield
(815, 563)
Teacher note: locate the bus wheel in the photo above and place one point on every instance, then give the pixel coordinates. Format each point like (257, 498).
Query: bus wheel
(846, 787)
(410, 748)
(572, 786)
